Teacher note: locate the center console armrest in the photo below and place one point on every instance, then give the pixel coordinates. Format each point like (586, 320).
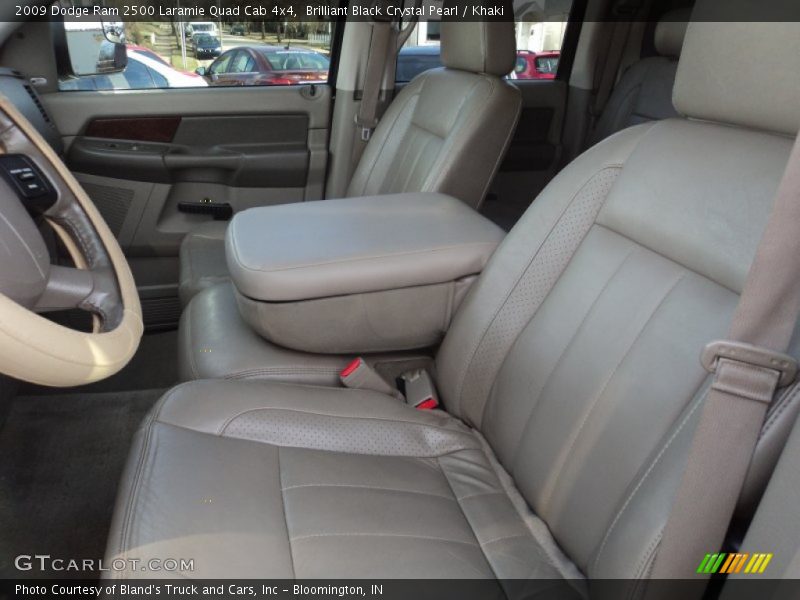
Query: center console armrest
(368, 274)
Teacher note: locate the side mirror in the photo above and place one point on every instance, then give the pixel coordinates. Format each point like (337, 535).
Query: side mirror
(118, 61)
(94, 49)
(202, 71)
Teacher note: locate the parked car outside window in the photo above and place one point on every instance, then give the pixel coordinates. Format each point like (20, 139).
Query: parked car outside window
(267, 65)
(145, 70)
(413, 60)
(206, 45)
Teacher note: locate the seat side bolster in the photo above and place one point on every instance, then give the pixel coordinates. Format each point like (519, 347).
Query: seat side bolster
(460, 352)
(387, 134)
(340, 419)
(471, 156)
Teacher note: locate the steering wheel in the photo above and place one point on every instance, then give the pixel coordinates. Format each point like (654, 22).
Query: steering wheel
(33, 348)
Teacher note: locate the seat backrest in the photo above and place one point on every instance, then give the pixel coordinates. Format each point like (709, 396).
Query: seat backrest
(576, 353)
(449, 128)
(644, 92)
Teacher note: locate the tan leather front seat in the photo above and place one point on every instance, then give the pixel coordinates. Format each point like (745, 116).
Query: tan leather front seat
(570, 375)
(445, 132)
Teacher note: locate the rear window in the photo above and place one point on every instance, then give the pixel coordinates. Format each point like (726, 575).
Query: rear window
(410, 65)
(547, 64)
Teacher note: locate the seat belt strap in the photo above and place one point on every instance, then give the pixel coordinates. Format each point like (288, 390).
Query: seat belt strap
(367, 116)
(748, 368)
(613, 59)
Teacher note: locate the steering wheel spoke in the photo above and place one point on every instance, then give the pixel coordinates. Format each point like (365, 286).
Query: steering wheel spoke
(66, 288)
(40, 350)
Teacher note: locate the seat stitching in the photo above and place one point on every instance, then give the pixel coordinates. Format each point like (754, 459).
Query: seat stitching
(190, 337)
(466, 365)
(641, 481)
(367, 487)
(463, 514)
(572, 340)
(548, 493)
(783, 404)
(521, 275)
(420, 153)
(647, 557)
(278, 371)
(413, 97)
(480, 495)
(361, 259)
(383, 534)
(283, 509)
(654, 251)
(148, 425)
(457, 137)
(505, 537)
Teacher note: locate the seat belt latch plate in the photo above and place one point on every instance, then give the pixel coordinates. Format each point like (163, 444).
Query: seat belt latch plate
(358, 374)
(748, 354)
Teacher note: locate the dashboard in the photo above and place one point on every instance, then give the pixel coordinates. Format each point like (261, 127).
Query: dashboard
(24, 97)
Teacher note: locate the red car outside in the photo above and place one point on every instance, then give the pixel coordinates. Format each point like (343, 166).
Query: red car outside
(267, 65)
(536, 65)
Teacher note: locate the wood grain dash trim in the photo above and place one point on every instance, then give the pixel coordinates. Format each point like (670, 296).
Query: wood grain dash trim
(135, 129)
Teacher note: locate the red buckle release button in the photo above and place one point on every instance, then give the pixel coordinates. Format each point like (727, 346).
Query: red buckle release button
(427, 404)
(351, 368)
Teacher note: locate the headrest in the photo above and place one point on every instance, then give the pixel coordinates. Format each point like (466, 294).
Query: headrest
(741, 65)
(480, 46)
(670, 31)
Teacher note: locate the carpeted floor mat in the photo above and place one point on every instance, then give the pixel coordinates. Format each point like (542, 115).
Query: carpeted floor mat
(61, 457)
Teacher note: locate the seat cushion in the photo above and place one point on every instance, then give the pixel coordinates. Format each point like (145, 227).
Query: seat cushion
(214, 341)
(202, 259)
(262, 479)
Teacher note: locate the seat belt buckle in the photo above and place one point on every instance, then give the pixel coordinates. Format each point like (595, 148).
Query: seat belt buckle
(419, 389)
(754, 356)
(358, 374)
(366, 133)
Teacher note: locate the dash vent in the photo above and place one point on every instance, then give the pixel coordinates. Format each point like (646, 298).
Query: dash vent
(38, 102)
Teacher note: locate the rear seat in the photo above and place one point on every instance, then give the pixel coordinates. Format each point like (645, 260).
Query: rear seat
(644, 92)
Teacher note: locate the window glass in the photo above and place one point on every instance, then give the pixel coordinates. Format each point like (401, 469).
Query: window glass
(540, 26)
(242, 63)
(194, 54)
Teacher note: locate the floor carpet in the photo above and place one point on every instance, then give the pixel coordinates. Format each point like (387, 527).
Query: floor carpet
(62, 456)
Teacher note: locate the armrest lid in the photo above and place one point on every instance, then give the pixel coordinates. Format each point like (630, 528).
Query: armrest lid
(356, 245)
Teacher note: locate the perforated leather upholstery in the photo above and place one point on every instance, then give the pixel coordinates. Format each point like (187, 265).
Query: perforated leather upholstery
(575, 357)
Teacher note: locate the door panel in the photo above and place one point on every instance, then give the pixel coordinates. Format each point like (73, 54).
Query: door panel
(147, 157)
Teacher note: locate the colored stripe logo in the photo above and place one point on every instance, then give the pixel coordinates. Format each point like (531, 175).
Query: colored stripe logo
(723, 562)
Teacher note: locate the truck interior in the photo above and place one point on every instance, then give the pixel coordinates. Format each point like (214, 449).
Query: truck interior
(478, 322)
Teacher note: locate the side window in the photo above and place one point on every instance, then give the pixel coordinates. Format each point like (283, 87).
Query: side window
(223, 64)
(175, 55)
(242, 63)
(137, 75)
(539, 36)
